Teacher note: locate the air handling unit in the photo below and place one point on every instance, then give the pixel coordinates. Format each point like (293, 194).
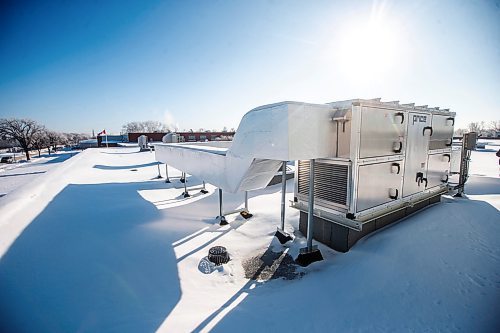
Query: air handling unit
(373, 163)
(388, 161)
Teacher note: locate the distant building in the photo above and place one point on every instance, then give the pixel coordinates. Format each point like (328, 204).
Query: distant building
(185, 136)
(110, 140)
(90, 143)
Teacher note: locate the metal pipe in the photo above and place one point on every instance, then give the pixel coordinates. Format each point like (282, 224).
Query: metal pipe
(166, 174)
(185, 187)
(246, 201)
(203, 189)
(283, 194)
(159, 173)
(220, 203)
(310, 211)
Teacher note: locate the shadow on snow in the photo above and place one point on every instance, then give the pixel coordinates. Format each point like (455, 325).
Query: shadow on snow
(124, 167)
(421, 249)
(482, 185)
(89, 262)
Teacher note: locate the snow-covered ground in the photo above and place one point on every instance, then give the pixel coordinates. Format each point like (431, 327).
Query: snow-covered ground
(99, 245)
(16, 175)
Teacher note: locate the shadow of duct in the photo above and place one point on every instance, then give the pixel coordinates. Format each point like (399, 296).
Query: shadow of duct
(122, 153)
(219, 230)
(124, 167)
(22, 174)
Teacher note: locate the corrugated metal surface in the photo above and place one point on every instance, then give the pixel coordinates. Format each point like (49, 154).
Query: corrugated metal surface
(330, 181)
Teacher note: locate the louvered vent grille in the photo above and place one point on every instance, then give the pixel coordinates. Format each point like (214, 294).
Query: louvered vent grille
(330, 181)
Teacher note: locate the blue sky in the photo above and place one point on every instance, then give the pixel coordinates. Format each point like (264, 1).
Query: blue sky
(83, 65)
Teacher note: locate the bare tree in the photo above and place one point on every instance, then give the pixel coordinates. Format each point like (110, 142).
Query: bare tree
(74, 138)
(476, 127)
(54, 140)
(494, 125)
(148, 126)
(21, 130)
(460, 132)
(40, 140)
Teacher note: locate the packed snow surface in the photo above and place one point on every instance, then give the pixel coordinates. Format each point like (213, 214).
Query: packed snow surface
(99, 244)
(15, 175)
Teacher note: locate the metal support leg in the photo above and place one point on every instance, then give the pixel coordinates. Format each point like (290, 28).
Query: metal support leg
(222, 219)
(159, 173)
(310, 211)
(183, 177)
(245, 213)
(204, 190)
(246, 201)
(166, 174)
(186, 194)
(283, 194)
(311, 253)
(280, 234)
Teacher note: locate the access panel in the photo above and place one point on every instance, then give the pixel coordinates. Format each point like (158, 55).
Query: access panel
(417, 146)
(382, 132)
(379, 183)
(442, 132)
(438, 169)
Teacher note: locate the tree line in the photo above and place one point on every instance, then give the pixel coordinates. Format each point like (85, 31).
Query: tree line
(153, 126)
(480, 127)
(29, 135)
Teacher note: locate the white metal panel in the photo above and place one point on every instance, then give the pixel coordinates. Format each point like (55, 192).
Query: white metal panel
(379, 183)
(438, 169)
(417, 145)
(382, 132)
(311, 133)
(442, 131)
(456, 156)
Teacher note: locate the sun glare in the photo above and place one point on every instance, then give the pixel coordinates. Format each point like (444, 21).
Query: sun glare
(368, 48)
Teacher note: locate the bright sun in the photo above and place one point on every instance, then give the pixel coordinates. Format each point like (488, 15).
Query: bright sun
(368, 48)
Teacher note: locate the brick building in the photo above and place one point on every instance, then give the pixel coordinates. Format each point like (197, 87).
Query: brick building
(185, 136)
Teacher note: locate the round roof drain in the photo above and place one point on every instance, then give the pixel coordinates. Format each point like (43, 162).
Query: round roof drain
(218, 255)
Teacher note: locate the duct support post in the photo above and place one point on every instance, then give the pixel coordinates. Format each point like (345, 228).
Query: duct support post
(221, 218)
(203, 189)
(185, 193)
(283, 194)
(159, 173)
(166, 174)
(280, 234)
(183, 177)
(246, 201)
(311, 253)
(245, 213)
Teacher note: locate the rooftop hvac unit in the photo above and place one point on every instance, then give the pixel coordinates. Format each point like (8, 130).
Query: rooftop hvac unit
(143, 142)
(170, 138)
(388, 160)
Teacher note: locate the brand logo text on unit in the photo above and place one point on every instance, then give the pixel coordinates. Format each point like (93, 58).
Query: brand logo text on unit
(420, 119)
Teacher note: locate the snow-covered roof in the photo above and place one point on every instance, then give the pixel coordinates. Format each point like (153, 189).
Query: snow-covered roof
(71, 261)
